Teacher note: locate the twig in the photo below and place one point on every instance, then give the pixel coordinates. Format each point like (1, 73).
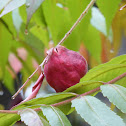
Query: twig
(69, 100)
(77, 22)
(123, 7)
(40, 66)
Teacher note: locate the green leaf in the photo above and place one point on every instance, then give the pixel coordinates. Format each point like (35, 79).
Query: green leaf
(30, 117)
(41, 33)
(8, 119)
(92, 42)
(117, 60)
(45, 123)
(116, 94)
(35, 44)
(58, 27)
(95, 112)
(50, 13)
(32, 6)
(13, 4)
(9, 25)
(3, 3)
(84, 86)
(17, 20)
(106, 74)
(5, 44)
(108, 71)
(55, 116)
(75, 9)
(23, 14)
(48, 100)
(8, 81)
(39, 17)
(108, 9)
(98, 21)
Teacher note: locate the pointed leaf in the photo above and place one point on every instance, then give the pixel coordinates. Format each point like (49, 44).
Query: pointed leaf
(92, 42)
(98, 21)
(30, 117)
(108, 71)
(116, 94)
(13, 4)
(32, 6)
(8, 119)
(55, 116)
(108, 8)
(117, 60)
(95, 112)
(17, 20)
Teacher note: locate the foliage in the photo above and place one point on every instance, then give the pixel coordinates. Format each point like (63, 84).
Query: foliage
(37, 25)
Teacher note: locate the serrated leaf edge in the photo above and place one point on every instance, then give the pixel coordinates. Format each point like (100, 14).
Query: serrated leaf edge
(111, 100)
(95, 112)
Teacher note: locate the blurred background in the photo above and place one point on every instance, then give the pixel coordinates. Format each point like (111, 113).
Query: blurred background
(29, 28)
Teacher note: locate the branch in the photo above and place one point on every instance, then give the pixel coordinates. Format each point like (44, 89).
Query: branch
(69, 100)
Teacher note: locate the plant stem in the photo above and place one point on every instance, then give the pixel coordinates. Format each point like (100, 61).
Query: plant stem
(8, 111)
(123, 7)
(13, 97)
(77, 22)
(40, 66)
(69, 100)
(116, 79)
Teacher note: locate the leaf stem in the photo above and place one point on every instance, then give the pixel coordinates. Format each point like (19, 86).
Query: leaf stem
(69, 100)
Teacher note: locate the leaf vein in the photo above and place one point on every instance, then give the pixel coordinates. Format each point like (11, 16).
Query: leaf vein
(57, 115)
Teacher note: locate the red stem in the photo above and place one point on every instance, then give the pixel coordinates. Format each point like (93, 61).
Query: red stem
(69, 100)
(116, 79)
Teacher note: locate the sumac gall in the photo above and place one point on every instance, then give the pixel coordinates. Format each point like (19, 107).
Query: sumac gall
(64, 68)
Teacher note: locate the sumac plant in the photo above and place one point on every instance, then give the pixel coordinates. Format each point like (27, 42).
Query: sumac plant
(67, 71)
